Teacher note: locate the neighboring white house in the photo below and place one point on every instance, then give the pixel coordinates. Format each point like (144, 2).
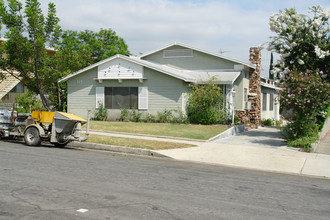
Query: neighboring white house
(159, 80)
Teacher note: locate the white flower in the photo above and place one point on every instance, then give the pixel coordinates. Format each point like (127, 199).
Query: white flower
(316, 23)
(301, 62)
(293, 44)
(320, 53)
(325, 14)
(286, 46)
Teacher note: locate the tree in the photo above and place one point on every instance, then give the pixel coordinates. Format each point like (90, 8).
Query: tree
(302, 41)
(26, 102)
(24, 55)
(77, 50)
(307, 94)
(271, 75)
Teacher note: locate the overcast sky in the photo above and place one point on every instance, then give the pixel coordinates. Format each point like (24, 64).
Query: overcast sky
(230, 26)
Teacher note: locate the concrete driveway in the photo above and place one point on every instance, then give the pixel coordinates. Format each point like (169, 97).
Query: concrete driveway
(261, 149)
(261, 137)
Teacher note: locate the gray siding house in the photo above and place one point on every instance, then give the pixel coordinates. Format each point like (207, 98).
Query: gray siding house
(159, 80)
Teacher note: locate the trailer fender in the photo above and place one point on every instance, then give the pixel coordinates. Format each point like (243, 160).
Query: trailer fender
(40, 129)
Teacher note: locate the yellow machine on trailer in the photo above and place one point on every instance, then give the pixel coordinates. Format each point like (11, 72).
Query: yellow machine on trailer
(58, 128)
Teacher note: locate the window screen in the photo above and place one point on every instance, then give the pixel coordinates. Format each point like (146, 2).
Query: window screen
(271, 102)
(264, 101)
(121, 97)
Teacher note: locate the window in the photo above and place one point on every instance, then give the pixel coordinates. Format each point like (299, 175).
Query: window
(121, 97)
(264, 101)
(271, 102)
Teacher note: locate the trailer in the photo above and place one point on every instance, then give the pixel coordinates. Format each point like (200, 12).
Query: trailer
(58, 128)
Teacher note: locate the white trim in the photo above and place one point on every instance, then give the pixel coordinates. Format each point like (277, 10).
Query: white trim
(99, 97)
(270, 86)
(143, 98)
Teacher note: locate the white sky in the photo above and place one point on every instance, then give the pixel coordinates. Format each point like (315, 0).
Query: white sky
(232, 26)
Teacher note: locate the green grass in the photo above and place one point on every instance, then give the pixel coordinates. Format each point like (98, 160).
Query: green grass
(136, 143)
(200, 132)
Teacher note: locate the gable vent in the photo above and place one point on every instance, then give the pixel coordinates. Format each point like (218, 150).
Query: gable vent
(178, 53)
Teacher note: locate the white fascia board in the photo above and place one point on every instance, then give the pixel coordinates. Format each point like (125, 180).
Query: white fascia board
(270, 86)
(200, 50)
(87, 68)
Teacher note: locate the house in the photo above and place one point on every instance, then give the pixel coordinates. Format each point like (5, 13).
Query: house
(11, 85)
(159, 80)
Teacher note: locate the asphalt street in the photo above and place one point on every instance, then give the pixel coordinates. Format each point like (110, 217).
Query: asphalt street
(60, 183)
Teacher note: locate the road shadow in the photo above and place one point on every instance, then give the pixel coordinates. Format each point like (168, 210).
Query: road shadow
(42, 145)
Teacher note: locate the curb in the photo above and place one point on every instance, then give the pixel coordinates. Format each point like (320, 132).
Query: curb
(235, 130)
(117, 149)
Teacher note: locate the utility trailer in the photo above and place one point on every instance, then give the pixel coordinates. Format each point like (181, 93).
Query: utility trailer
(58, 128)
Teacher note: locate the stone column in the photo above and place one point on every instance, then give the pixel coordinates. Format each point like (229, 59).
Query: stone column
(255, 87)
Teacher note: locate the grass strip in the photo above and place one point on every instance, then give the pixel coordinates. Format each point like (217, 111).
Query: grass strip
(136, 143)
(199, 132)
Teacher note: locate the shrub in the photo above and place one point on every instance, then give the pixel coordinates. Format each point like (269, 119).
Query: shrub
(124, 114)
(181, 118)
(101, 114)
(165, 116)
(267, 122)
(136, 115)
(307, 94)
(205, 103)
(149, 118)
(278, 123)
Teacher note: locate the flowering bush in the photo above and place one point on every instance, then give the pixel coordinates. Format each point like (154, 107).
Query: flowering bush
(205, 104)
(307, 94)
(302, 41)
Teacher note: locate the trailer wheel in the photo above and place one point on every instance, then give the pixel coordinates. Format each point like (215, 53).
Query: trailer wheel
(32, 137)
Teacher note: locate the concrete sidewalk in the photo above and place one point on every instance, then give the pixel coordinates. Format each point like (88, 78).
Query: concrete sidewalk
(260, 149)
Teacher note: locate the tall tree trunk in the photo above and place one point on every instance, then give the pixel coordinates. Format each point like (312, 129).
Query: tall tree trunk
(44, 100)
(59, 96)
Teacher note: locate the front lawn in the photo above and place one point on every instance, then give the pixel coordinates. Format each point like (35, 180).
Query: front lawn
(201, 132)
(136, 143)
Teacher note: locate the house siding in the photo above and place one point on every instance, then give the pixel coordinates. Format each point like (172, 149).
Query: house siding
(81, 95)
(198, 61)
(270, 114)
(239, 85)
(164, 92)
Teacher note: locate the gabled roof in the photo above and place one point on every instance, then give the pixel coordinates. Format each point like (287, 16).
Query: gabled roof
(200, 50)
(222, 76)
(160, 68)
